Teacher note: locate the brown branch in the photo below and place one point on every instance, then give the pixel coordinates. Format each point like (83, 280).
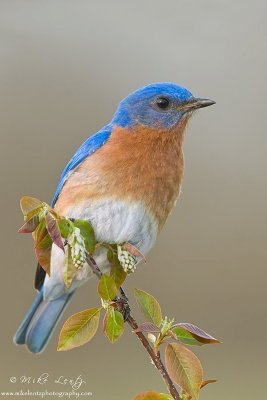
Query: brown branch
(155, 356)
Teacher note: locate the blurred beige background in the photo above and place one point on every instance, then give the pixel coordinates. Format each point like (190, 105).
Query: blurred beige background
(64, 67)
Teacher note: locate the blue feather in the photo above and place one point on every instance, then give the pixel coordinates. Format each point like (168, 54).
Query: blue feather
(40, 321)
(87, 148)
(20, 335)
(44, 322)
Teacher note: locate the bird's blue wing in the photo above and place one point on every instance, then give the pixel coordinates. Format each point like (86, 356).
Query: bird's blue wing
(88, 147)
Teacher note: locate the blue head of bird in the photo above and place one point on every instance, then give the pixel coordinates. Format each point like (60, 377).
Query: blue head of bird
(160, 105)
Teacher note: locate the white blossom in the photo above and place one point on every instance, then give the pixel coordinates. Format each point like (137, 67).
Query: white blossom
(127, 260)
(78, 253)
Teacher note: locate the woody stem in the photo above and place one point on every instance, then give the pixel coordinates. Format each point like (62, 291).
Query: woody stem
(155, 356)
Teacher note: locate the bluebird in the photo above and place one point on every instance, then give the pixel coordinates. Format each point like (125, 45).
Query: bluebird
(125, 180)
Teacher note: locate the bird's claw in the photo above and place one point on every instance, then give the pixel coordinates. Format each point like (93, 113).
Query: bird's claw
(122, 305)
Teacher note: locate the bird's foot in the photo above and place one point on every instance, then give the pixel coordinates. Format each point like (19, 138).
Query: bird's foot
(122, 305)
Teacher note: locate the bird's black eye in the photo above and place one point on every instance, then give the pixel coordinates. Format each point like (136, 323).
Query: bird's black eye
(163, 103)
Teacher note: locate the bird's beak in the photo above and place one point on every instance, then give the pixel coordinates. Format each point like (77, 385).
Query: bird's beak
(195, 103)
(199, 103)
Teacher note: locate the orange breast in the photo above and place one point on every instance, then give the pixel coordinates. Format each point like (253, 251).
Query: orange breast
(136, 164)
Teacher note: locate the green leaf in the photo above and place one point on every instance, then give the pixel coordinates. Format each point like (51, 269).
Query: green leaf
(65, 227)
(149, 306)
(110, 255)
(192, 335)
(88, 234)
(107, 289)
(30, 225)
(185, 337)
(43, 252)
(79, 329)
(40, 232)
(153, 396)
(117, 273)
(33, 213)
(184, 368)
(113, 324)
(53, 230)
(28, 204)
(69, 270)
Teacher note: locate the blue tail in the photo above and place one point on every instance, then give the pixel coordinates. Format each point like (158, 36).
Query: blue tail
(40, 322)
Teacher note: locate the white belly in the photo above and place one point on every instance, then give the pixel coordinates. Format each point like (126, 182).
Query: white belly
(118, 221)
(113, 222)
